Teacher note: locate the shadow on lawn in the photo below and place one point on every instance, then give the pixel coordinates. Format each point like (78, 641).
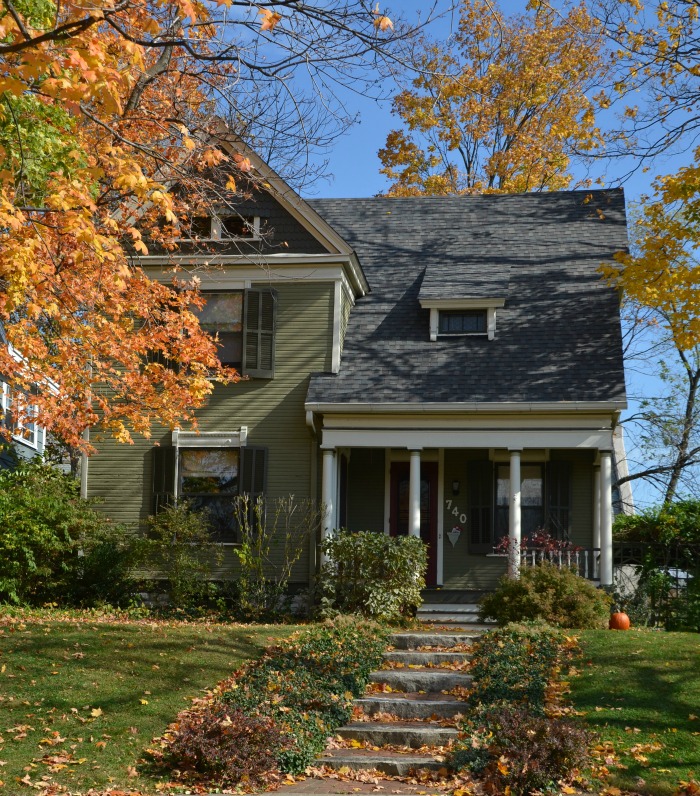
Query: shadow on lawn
(649, 692)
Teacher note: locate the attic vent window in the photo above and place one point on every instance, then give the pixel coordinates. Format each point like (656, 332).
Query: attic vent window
(458, 322)
(222, 227)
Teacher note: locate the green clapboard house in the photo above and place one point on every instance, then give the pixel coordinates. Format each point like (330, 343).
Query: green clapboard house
(449, 367)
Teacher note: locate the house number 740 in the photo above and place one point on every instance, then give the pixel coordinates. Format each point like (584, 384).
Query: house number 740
(454, 510)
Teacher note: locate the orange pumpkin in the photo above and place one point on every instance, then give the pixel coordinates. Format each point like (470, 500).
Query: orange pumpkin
(619, 621)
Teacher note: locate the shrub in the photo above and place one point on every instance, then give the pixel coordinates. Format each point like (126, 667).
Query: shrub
(519, 752)
(110, 549)
(557, 596)
(226, 745)
(372, 574)
(279, 530)
(307, 687)
(515, 664)
(180, 549)
(46, 527)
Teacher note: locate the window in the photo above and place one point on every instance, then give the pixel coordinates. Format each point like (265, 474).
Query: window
(462, 322)
(244, 323)
(222, 317)
(531, 500)
(210, 479)
(221, 227)
(13, 403)
(240, 227)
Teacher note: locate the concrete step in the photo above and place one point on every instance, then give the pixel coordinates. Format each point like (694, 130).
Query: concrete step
(465, 609)
(450, 613)
(413, 734)
(410, 641)
(435, 680)
(412, 658)
(458, 621)
(394, 763)
(412, 705)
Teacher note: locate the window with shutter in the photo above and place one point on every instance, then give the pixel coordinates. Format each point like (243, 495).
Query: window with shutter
(163, 477)
(210, 479)
(259, 333)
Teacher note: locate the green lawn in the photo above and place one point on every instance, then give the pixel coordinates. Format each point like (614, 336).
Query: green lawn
(80, 700)
(639, 689)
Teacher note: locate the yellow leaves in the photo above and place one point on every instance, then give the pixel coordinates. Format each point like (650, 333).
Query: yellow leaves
(231, 185)
(270, 19)
(96, 712)
(13, 85)
(381, 22)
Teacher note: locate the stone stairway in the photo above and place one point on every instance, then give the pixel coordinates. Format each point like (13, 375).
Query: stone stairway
(413, 689)
(465, 615)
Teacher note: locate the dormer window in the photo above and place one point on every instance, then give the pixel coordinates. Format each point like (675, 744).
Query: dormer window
(465, 317)
(222, 227)
(460, 322)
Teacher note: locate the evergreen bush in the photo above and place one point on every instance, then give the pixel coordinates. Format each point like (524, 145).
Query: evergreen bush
(544, 592)
(372, 574)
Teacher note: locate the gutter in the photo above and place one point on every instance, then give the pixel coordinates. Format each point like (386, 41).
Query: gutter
(468, 407)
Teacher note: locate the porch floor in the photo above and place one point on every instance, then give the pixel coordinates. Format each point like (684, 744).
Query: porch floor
(437, 596)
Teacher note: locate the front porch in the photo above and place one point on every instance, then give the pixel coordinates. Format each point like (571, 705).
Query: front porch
(464, 500)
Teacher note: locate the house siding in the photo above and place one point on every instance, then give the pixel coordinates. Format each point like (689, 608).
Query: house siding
(366, 476)
(272, 409)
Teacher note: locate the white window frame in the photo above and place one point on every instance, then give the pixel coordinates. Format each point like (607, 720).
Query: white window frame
(31, 441)
(488, 304)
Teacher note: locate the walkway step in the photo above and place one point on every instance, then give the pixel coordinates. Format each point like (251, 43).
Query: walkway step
(421, 679)
(413, 706)
(393, 763)
(466, 609)
(410, 641)
(459, 621)
(410, 734)
(412, 658)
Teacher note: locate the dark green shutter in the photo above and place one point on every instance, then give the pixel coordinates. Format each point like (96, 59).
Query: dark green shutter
(259, 332)
(253, 472)
(480, 491)
(253, 481)
(163, 477)
(559, 498)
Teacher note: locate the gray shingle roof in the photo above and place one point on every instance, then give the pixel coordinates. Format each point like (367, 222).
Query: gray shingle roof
(558, 336)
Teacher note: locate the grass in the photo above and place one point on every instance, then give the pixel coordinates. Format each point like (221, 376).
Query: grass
(641, 689)
(80, 699)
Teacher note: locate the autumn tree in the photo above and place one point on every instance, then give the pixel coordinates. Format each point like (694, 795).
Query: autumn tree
(660, 281)
(109, 125)
(504, 105)
(655, 54)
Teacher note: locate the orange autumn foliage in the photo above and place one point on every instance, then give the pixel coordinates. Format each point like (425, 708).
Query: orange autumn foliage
(108, 141)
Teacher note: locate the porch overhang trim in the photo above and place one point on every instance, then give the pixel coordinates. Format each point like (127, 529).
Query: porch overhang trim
(448, 438)
(268, 263)
(463, 407)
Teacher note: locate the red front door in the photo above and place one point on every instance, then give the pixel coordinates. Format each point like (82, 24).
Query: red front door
(398, 518)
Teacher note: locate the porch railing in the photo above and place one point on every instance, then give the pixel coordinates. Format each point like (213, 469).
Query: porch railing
(585, 561)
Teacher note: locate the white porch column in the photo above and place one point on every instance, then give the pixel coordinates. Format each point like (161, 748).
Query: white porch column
(606, 561)
(596, 507)
(514, 515)
(414, 495)
(328, 481)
